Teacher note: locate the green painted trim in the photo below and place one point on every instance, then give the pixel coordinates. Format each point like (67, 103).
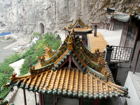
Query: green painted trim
(43, 91)
(75, 94)
(64, 92)
(90, 96)
(80, 94)
(36, 89)
(59, 91)
(30, 89)
(69, 93)
(101, 95)
(97, 73)
(49, 91)
(85, 95)
(22, 85)
(18, 83)
(54, 91)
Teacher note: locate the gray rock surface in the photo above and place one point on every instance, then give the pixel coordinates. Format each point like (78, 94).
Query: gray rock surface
(29, 16)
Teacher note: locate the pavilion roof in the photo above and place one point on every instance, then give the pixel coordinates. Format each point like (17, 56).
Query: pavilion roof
(123, 17)
(69, 82)
(72, 71)
(78, 26)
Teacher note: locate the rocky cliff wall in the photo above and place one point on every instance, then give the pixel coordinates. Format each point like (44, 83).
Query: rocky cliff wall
(51, 15)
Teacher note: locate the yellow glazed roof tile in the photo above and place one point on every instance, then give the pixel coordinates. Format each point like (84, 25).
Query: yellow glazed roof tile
(70, 80)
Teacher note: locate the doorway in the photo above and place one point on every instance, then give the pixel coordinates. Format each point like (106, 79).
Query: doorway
(41, 28)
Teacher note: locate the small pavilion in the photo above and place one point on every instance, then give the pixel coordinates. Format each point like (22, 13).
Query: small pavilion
(71, 73)
(80, 29)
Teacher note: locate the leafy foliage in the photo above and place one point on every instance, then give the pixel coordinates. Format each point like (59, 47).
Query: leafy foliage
(30, 57)
(5, 73)
(47, 40)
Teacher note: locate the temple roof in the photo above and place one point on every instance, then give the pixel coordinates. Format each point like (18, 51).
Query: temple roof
(70, 82)
(78, 26)
(121, 17)
(71, 71)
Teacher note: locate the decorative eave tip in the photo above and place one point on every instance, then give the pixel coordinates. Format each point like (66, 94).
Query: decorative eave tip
(13, 76)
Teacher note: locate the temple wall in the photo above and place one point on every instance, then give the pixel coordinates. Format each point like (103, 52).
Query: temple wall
(16, 97)
(132, 83)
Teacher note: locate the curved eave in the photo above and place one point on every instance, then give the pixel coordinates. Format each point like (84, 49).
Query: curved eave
(75, 85)
(90, 59)
(67, 93)
(80, 30)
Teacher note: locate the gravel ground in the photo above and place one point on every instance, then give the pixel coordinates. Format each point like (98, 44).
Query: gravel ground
(5, 52)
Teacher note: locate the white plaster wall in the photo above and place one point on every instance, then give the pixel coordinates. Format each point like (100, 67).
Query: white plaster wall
(18, 98)
(133, 92)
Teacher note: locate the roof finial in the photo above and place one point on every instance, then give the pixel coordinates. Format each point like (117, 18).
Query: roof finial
(72, 31)
(13, 76)
(70, 39)
(70, 43)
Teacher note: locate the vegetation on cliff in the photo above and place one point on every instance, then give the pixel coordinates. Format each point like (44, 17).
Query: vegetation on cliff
(47, 40)
(30, 56)
(5, 73)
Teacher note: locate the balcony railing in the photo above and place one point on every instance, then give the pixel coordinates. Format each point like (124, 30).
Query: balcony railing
(121, 54)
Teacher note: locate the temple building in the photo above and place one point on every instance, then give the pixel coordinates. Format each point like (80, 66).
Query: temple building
(80, 29)
(70, 76)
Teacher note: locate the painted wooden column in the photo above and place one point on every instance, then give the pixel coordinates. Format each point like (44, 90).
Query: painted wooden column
(24, 94)
(81, 101)
(41, 100)
(84, 38)
(95, 30)
(96, 102)
(55, 100)
(109, 50)
(35, 98)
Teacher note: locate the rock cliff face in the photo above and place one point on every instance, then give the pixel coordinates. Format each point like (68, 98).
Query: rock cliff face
(51, 15)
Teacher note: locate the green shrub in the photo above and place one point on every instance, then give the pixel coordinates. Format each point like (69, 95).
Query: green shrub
(6, 72)
(30, 57)
(52, 41)
(47, 40)
(36, 34)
